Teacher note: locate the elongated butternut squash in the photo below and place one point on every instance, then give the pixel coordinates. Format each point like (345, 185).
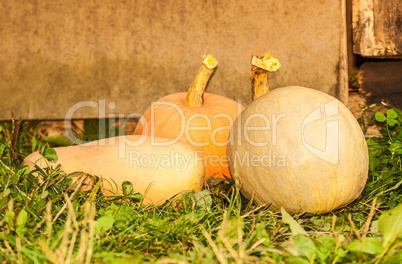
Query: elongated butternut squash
(157, 172)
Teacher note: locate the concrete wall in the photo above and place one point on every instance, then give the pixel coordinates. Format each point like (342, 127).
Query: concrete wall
(54, 54)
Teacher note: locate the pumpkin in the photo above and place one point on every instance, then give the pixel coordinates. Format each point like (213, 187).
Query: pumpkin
(198, 118)
(156, 172)
(298, 148)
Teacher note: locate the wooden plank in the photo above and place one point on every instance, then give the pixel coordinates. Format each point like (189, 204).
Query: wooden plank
(377, 27)
(382, 81)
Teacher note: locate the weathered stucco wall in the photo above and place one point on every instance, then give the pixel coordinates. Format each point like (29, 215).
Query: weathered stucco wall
(54, 54)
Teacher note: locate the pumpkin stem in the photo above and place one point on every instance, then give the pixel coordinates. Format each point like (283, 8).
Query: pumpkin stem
(261, 67)
(197, 88)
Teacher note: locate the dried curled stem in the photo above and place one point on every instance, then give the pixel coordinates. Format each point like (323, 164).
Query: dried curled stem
(261, 67)
(196, 91)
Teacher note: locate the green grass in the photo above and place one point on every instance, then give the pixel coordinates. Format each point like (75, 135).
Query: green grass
(50, 222)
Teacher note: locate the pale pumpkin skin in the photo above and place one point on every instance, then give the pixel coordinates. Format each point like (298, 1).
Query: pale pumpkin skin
(307, 172)
(110, 159)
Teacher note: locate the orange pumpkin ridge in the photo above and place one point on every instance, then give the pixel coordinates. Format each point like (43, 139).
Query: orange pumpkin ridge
(200, 119)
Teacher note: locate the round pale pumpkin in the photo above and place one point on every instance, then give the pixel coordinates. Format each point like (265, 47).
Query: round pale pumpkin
(300, 149)
(157, 172)
(201, 119)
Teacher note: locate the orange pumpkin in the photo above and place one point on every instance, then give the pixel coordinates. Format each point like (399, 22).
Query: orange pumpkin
(201, 119)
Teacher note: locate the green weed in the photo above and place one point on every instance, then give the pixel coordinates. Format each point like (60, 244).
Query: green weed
(49, 221)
